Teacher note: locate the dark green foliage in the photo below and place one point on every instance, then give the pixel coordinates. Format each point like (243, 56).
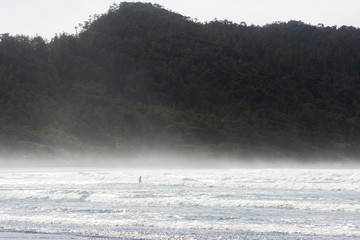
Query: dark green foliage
(142, 76)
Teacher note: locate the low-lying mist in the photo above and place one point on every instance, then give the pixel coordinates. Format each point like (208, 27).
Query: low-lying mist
(164, 159)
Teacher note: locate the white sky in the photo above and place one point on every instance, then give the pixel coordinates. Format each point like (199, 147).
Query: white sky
(48, 17)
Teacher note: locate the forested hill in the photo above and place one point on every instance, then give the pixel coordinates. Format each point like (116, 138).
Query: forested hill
(142, 77)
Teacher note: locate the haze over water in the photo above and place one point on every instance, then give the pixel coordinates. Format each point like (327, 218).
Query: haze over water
(236, 131)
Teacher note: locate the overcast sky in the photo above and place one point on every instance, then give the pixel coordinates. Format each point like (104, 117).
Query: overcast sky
(48, 17)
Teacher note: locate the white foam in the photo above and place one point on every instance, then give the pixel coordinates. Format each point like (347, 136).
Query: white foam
(107, 198)
(330, 180)
(43, 194)
(216, 202)
(75, 220)
(339, 180)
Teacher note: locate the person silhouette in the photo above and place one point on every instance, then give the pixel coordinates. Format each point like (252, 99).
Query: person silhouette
(140, 180)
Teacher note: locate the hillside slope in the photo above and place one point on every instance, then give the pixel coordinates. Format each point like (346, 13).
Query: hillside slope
(142, 77)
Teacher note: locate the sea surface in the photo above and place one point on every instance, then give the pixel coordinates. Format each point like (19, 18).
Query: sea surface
(180, 204)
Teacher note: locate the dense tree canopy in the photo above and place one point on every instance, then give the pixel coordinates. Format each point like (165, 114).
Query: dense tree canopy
(140, 76)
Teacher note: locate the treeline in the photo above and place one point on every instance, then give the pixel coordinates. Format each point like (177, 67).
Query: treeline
(140, 76)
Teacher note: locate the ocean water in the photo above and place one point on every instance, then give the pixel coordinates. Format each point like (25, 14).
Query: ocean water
(180, 204)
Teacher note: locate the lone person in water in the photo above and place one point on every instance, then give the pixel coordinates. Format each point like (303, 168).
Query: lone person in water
(140, 180)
